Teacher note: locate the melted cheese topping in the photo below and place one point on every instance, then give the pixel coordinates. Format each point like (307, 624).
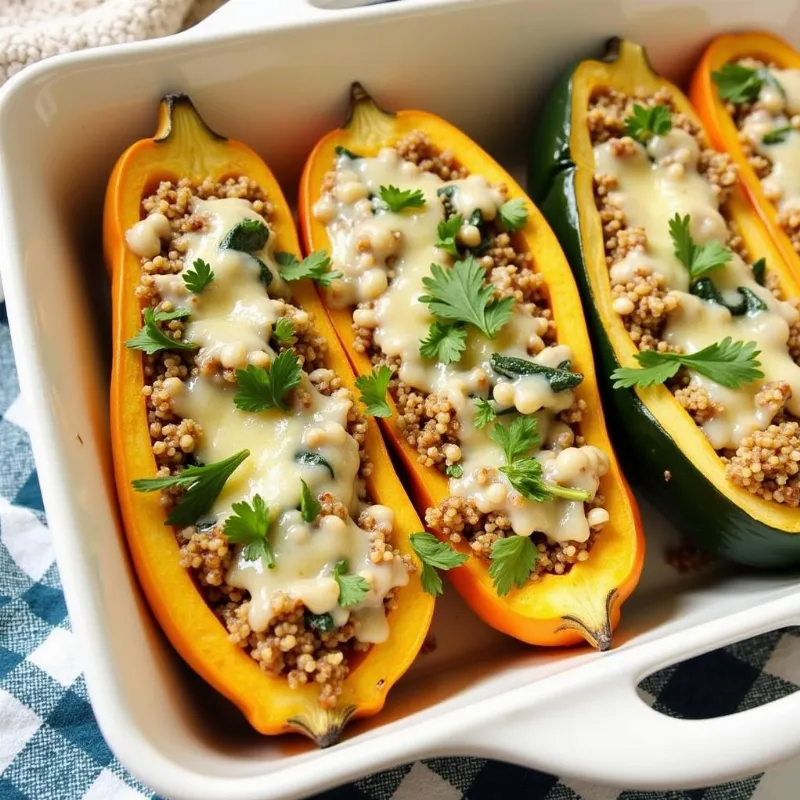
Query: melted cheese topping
(775, 107)
(368, 246)
(653, 185)
(232, 321)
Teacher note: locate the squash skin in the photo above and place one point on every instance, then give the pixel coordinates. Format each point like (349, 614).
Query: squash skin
(721, 127)
(648, 424)
(185, 147)
(560, 610)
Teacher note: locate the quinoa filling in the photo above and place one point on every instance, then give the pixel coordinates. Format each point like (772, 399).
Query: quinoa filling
(450, 404)
(644, 190)
(281, 597)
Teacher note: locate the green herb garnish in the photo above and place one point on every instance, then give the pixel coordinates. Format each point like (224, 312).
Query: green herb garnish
(460, 295)
(513, 215)
(484, 413)
(197, 278)
(343, 151)
(454, 471)
(728, 363)
(645, 123)
(445, 342)
(373, 389)
(434, 554)
(151, 339)
(308, 459)
(516, 439)
(396, 200)
(512, 561)
(249, 525)
(777, 135)
(352, 588)
(203, 486)
(322, 623)
(317, 266)
(283, 331)
(247, 236)
(559, 378)
(447, 232)
(740, 84)
(309, 504)
(760, 271)
(698, 259)
(260, 389)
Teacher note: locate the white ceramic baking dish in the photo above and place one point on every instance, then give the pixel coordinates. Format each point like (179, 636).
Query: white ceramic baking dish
(276, 75)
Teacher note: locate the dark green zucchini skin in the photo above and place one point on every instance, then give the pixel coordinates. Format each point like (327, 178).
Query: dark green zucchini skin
(647, 452)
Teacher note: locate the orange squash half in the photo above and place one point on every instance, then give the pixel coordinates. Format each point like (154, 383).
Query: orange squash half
(560, 609)
(184, 147)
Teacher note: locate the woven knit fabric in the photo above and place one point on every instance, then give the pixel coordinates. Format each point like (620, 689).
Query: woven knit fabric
(31, 30)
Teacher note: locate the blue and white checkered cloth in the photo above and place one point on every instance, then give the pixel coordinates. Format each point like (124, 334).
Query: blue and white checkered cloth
(52, 749)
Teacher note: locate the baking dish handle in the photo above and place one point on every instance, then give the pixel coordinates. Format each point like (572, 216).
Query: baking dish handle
(603, 731)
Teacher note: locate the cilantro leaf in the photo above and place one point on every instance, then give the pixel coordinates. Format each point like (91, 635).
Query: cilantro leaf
(454, 471)
(698, 259)
(203, 486)
(177, 313)
(739, 84)
(260, 389)
(373, 391)
(317, 266)
(151, 339)
(513, 559)
(396, 200)
(527, 477)
(434, 554)
(445, 343)
(517, 439)
(309, 504)
(645, 123)
(777, 135)
(484, 413)
(197, 278)
(728, 363)
(447, 231)
(459, 294)
(249, 525)
(513, 215)
(247, 236)
(283, 331)
(352, 588)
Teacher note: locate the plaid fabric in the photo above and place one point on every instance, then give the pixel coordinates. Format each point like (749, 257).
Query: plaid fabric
(51, 748)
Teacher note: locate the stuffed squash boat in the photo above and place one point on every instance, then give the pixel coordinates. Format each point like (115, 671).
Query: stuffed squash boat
(693, 310)
(267, 528)
(746, 90)
(456, 307)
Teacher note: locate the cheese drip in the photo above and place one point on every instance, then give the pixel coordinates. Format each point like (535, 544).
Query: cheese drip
(231, 321)
(776, 105)
(653, 184)
(370, 242)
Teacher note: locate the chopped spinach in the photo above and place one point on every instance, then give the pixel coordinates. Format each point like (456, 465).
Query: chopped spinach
(760, 271)
(308, 459)
(343, 151)
(322, 623)
(247, 236)
(749, 304)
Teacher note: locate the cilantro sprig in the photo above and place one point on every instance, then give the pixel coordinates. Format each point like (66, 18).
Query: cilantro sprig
(283, 332)
(260, 389)
(151, 339)
(434, 554)
(739, 84)
(512, 214)
(447, 232)
(728, 363)
(373, 388)
(396, 199)
(699, 259)
(203, 486)
(249, 525)
(445, 342)
(309, 504)
(516, 439)
(645, 123)
(352, 588)
(484, 413)
(459, 294)
(199, 276)
(512, 561)
(317, 266)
